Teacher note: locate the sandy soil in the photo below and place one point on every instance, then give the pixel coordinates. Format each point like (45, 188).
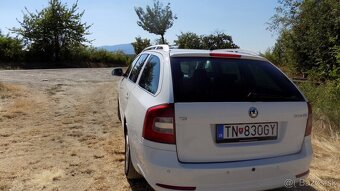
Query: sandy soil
(59, 131)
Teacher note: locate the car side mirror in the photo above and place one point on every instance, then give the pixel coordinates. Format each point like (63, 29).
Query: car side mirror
(117, 72)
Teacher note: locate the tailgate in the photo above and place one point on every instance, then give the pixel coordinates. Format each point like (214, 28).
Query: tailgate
(198, 125)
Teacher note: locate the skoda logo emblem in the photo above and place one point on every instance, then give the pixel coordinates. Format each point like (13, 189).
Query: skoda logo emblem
(253, 112)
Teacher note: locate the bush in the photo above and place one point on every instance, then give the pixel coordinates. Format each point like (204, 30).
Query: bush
(325, 101)
(79, 57)
(92, 57)
(11, 50)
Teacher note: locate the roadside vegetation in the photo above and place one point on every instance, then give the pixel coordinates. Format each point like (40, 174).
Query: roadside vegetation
(308, 50)
(54, 37)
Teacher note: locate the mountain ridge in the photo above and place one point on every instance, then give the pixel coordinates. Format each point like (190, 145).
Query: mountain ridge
(125, 48)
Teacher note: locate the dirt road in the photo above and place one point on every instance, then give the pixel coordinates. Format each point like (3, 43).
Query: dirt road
(59, 131)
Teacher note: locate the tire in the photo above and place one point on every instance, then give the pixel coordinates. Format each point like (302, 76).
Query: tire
(130, 171)
(118, 111)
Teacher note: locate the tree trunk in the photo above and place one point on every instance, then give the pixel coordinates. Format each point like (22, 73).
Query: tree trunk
(162, 39)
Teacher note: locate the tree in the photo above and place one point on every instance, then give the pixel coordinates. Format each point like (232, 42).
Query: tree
(217, 40)
(189, 40)
(156, 19)
(160, 41)
(140, 44)
(53, 31)
(286, 15)
(11, 49)
(309, 35)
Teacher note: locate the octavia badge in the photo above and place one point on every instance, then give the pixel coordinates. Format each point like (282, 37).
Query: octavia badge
(253, 112)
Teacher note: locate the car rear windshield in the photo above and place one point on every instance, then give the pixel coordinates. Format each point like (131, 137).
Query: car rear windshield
(208, 79)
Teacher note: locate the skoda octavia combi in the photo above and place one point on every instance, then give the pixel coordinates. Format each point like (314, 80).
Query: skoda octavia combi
(212, 120)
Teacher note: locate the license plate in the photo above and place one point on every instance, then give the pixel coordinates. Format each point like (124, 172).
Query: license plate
(246, 132)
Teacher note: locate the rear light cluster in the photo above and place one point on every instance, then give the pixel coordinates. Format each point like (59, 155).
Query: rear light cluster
(159, 124)
(309, 120)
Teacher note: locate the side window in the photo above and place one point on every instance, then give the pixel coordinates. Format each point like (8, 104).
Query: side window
(128, 70)
(137, 67)
(150, 76)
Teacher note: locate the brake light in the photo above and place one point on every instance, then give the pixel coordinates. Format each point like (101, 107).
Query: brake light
(159, 124)
(309, 120)
(225, 55)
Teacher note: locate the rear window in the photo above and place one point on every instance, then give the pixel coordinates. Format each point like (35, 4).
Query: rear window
(207, 79)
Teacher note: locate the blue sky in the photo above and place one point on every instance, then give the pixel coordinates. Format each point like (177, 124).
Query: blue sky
(114, 21)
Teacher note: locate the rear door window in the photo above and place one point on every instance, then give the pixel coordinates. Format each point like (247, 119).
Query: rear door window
(137, 67)
(209, 79)
(149, 79)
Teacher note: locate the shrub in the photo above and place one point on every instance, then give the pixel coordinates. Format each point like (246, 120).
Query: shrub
(11, 50)
(325, 101)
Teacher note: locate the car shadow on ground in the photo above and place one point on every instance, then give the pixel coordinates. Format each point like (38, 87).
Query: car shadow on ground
(296, 188)
(140, 185)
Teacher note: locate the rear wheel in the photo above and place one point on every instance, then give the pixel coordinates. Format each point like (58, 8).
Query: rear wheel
(130, 170)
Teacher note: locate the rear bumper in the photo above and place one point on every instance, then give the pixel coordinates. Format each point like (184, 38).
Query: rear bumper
(159, 166)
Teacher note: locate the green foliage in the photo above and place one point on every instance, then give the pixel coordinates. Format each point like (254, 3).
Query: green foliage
(325, 101)
(140, 44)
(156, 19)
(189, 40)
(53, 32)
(271, 56)
(11, 49)
(217, 40)
(308, 36)
(108, 58)
(93, 57)
(286, 15)
(52, 38)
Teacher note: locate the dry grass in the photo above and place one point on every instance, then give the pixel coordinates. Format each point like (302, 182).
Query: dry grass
(16, 101)
(17, 108)
(9, 90)
(326, 163)
(62, 137)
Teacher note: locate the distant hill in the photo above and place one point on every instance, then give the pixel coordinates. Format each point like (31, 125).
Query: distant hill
(126, 48)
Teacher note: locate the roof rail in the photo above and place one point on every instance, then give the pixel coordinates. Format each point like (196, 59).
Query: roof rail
(163, 47)
(239, 51)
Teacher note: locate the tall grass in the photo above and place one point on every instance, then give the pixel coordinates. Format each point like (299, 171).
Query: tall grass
(325, 100)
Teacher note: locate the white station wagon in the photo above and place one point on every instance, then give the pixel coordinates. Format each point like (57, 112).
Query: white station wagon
(212, 120)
